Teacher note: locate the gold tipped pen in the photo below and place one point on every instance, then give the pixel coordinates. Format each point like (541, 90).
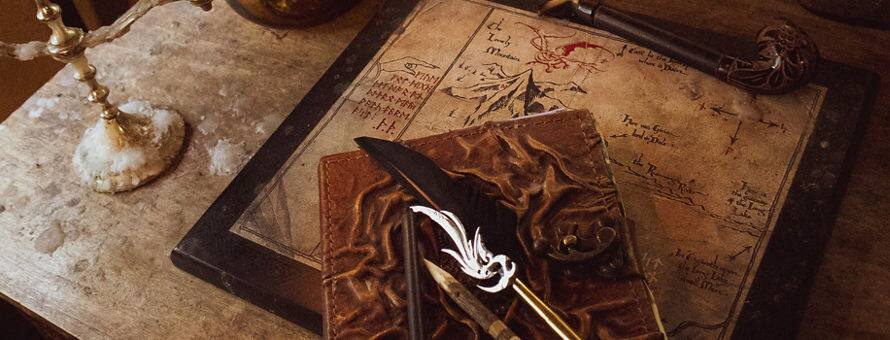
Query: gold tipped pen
(543, 310)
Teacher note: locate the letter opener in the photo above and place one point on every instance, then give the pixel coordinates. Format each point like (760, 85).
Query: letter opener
(432, 187)
(470, 304)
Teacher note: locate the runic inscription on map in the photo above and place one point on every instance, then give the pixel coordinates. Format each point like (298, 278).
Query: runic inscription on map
(702, 167)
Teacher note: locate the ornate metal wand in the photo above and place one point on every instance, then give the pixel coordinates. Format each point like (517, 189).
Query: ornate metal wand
(787, 56)
(479, 263)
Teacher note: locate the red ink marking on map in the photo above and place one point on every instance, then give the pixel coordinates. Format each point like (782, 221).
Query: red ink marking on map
(560, 57)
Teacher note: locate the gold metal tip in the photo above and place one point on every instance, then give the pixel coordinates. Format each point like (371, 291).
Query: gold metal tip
(556, 323)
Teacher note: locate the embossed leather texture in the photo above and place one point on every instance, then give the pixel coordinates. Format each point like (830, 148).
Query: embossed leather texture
(550, 169)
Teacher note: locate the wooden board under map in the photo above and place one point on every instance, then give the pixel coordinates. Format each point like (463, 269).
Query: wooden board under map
(703, 168)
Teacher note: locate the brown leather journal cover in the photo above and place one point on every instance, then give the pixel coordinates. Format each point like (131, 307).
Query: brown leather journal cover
(549, 168)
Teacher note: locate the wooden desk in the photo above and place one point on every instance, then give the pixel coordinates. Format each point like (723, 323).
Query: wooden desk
(109, 276)
(102, 267)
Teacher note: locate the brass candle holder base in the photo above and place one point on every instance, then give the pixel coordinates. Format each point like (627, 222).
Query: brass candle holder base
(129, 150)
(128, 146)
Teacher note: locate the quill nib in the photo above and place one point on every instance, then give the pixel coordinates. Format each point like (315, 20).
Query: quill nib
(474, 308)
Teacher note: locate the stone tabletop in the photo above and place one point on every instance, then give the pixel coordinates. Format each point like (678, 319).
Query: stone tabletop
(97, 265)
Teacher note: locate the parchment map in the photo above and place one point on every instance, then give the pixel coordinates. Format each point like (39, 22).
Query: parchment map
(703, 168)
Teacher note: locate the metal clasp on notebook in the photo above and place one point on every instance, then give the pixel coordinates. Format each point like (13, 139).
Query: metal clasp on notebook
(573, 247)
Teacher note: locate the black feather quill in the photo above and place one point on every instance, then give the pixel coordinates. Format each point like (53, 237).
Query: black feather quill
(431, 186)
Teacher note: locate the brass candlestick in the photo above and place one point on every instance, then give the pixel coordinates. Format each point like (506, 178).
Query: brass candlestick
(123, 150)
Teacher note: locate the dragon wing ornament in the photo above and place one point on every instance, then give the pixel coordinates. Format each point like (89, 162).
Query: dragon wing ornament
(475, 260)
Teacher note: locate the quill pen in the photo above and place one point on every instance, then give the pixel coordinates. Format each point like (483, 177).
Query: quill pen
(454, 204)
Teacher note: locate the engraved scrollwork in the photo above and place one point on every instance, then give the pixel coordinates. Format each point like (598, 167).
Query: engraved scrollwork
(787, 60)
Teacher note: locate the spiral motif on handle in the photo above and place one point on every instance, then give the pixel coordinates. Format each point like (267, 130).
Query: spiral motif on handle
(787, 60)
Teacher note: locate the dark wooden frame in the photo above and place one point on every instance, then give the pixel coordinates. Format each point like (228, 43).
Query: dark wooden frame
(773, 308)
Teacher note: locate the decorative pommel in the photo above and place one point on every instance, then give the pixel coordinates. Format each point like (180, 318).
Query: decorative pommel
(787, 60)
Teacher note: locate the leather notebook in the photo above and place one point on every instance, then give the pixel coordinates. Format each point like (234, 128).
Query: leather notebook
(551, 170)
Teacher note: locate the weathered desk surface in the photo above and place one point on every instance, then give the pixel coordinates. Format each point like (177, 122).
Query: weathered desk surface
(110, 275)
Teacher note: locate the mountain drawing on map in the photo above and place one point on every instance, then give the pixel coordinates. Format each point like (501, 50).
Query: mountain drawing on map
(500, 96)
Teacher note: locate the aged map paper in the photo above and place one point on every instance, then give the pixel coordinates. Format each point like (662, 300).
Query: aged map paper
(702, 167)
